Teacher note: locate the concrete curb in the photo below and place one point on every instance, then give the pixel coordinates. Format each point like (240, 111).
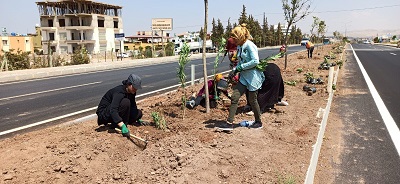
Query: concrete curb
(318, 144)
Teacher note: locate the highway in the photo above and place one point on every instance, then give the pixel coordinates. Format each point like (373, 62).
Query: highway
(54, 100)
(370, 133)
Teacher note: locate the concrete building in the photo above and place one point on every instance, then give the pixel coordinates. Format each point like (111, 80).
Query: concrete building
(16, 43)
(37, 39)
(284, 27)
(147, 38)
(66, 25)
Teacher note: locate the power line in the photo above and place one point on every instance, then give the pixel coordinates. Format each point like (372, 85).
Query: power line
(329, 11)
(359, 9)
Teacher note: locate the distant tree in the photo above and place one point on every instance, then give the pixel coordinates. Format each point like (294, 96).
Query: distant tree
(217, 32)
(279, 35)
(376, 40)
(243, 16)
(255, 30)
(265, 31)
(299, 36)
(321, 29)
(337, 35)
(294, 11)
(220, 31)
(271, 36)
(201, 32)
(234, 24)
(292, 37)
(314, 28)
(228, 29)
(394, 37)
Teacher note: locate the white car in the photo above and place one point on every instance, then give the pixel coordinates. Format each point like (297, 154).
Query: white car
(304, 41)
(124, 55)
(367, 42)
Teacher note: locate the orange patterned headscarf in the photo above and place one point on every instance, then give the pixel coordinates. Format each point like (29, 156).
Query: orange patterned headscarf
(241, 33)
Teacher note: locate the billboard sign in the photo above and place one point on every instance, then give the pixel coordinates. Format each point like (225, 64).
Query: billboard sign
(164, 24)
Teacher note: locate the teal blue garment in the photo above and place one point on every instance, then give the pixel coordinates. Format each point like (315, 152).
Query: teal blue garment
(248, 60)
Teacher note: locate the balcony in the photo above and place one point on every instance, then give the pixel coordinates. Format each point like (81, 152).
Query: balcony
(80, 41)
(79, 27)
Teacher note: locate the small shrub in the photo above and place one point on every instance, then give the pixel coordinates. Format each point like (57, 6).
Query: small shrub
(291, 83)
(159, 121)
(148, 52)
(80, 56)
(18, 61)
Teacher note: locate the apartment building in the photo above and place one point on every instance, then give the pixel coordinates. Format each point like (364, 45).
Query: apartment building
(15, 43)
(67, 25)
(146, 38)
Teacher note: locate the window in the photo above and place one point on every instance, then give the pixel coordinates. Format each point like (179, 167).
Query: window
(61, 22)
(51, 36)
(50, 23)
(63, 36)
(5, 42)
(53, 49)
(100, 23)
(115, 24)
(27, 41)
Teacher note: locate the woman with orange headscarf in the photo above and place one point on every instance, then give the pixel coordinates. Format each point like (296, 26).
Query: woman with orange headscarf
(250, 79)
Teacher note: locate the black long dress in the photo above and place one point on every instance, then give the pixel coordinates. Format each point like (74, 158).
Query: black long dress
(272, 90)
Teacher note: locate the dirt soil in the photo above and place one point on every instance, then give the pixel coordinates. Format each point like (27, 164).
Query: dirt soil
(190, 151)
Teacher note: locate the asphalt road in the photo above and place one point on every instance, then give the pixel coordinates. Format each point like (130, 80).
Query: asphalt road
(59, 99)
(369, 154)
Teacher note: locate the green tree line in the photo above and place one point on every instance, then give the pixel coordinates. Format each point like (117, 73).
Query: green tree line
(263, 33)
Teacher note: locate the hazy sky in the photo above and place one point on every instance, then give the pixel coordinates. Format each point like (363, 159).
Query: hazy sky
(21, 16)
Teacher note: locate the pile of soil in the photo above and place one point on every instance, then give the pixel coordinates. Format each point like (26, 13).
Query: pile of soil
(189, 151)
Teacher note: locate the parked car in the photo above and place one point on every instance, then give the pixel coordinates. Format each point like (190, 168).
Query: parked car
(367, 42)
(123, 55)
(304, 41)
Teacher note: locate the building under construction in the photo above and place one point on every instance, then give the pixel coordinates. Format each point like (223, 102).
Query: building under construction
(68, 24)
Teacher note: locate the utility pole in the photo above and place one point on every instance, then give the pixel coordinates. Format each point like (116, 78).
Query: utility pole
(152, 42)
(162, 41)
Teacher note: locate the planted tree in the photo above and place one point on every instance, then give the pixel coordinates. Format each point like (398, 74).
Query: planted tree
(221, 50)
(183, 61)
(294, 12)
(159, 121)
(204, 56)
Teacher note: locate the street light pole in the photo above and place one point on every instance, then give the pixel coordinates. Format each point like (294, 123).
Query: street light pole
(345, 28)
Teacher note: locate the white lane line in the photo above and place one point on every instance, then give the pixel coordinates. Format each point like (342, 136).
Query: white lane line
(45, 121)
(30, 94)
(83, 111)
(391, 126)
(393, 54)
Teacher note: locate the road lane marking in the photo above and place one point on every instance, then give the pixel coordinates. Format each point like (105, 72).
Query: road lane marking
(85, 110)
(393, 54)
(391, 126)
(30, 94)
(45, 121)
